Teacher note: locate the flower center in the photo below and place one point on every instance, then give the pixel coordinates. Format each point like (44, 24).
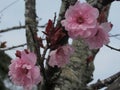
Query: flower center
(25, 70)
(80, 20)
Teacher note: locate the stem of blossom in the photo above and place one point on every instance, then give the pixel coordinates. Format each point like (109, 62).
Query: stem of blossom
(54, 19)
(40, 59)
(44, 53)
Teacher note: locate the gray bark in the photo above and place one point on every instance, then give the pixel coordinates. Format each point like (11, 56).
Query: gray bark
(77, 73)
(115, 85)
(30, 24)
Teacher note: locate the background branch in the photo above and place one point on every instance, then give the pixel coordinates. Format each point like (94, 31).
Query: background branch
(116, 35)
(11, 28)
(103, 83)
(18, 27)
(106, 2)
(113, 48)
(13, 47)
(9, 5)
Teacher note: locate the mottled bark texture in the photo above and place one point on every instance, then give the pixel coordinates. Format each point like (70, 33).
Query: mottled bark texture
(110, 82)
(115, 85)
(77, 74)
(31, 24)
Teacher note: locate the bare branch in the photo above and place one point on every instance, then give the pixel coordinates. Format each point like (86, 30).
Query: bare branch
(13, 47)
(9, 6)
(42, 26)
(113, 48)
(106, 2)
(116, 35)
(103, 83)
(11, 29)
(17, 28)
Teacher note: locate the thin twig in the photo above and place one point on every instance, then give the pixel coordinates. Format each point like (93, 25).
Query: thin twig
(103, 83)
(113, 48)
(40, 61)
(9, 5)
(44, 53)
(12, 28)
(17, 28)
(116, 35)
(13, 47)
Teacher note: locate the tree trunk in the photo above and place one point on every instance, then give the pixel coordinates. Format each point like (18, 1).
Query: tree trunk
(77, 74)
(30, 24)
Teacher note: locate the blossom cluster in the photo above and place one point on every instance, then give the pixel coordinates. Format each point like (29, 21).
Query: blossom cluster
(23, 71)
(81, 22)
(60, 56)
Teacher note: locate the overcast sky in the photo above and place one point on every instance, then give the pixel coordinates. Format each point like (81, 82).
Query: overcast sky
(107, 61)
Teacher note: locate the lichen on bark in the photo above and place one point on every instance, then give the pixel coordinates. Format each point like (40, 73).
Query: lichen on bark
(77, 74)
(30, 23)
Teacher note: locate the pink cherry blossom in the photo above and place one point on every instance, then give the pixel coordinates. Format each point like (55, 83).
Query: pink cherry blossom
(80, 20)
(60, 56)
(101, 37)
(23, 72)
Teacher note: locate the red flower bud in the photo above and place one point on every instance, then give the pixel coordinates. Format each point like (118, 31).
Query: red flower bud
(18, 53)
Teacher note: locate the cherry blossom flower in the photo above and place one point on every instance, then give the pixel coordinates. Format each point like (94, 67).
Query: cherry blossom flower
(101, 37)
(23, 72)
(80, 20)
(60, 56)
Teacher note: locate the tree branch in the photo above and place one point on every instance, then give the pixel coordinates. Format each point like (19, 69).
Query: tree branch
(100, 4)
(13, 47)
(102, 83)
(11, 28)
(106, 2)
(9, 5)
(116, 35)
(18, 27)
(113, 48)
